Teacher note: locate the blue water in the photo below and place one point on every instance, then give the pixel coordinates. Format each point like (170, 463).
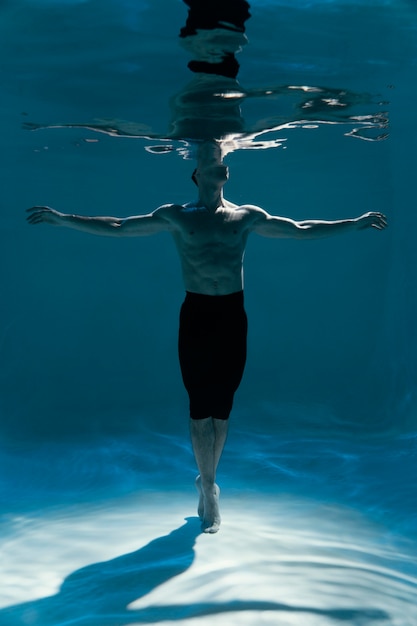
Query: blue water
(318, 476)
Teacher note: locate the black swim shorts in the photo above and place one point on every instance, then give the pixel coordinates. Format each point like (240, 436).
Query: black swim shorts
(212, 351)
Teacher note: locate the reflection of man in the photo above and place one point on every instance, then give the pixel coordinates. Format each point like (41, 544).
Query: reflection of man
(210, 235)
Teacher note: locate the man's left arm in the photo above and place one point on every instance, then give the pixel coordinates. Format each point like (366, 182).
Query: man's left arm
(282, 227)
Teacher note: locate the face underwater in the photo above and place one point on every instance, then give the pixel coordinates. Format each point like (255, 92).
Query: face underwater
(218, 173)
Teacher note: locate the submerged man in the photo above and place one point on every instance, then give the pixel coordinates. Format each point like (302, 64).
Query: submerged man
(210, 235)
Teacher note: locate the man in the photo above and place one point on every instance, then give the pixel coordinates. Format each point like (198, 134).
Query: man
(210, 236)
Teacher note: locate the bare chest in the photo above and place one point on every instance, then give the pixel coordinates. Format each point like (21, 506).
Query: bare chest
(197, 226)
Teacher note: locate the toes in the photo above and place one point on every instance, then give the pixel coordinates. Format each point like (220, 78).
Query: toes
(210, 530)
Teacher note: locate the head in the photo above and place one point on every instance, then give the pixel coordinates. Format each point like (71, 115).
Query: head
(214, 175)
(210, 167)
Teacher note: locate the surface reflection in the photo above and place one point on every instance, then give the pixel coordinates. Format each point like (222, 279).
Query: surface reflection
(209, 106)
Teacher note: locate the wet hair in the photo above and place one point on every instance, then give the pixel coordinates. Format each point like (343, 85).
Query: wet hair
(193, 177)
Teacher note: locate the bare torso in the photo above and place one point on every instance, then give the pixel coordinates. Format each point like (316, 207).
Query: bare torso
(210, 244)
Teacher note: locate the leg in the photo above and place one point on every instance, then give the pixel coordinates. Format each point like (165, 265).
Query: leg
(208, 437)
(221, 428)
(212, 352)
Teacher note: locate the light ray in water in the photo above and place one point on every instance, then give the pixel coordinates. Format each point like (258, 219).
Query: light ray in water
(298, 555)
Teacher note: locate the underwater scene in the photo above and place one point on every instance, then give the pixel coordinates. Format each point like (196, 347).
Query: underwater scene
(153, 151)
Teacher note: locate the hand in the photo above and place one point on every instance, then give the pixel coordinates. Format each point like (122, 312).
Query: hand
(372, 220)
(39, 214)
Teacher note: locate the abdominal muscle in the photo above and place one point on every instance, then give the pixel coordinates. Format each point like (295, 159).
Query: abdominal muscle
(214, 270)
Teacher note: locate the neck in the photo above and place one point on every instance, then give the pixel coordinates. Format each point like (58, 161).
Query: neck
(212, 198)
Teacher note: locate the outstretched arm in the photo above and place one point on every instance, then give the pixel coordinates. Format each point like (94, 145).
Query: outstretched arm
(274, 226)
(135, 226)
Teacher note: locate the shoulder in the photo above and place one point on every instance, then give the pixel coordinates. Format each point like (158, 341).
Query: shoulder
(167, 212)
(174, 215)
(253, 214)
(253, 209)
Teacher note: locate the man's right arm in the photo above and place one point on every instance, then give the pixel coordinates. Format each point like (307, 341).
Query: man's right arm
(134, 226)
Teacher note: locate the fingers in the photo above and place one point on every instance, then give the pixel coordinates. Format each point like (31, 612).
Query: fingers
(382, 220)
(379, 220)
(38, 208)
(37, 214)
(35, 219)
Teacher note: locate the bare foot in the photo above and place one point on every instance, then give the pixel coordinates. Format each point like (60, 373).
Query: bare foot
(200, 508)
(211, 517)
